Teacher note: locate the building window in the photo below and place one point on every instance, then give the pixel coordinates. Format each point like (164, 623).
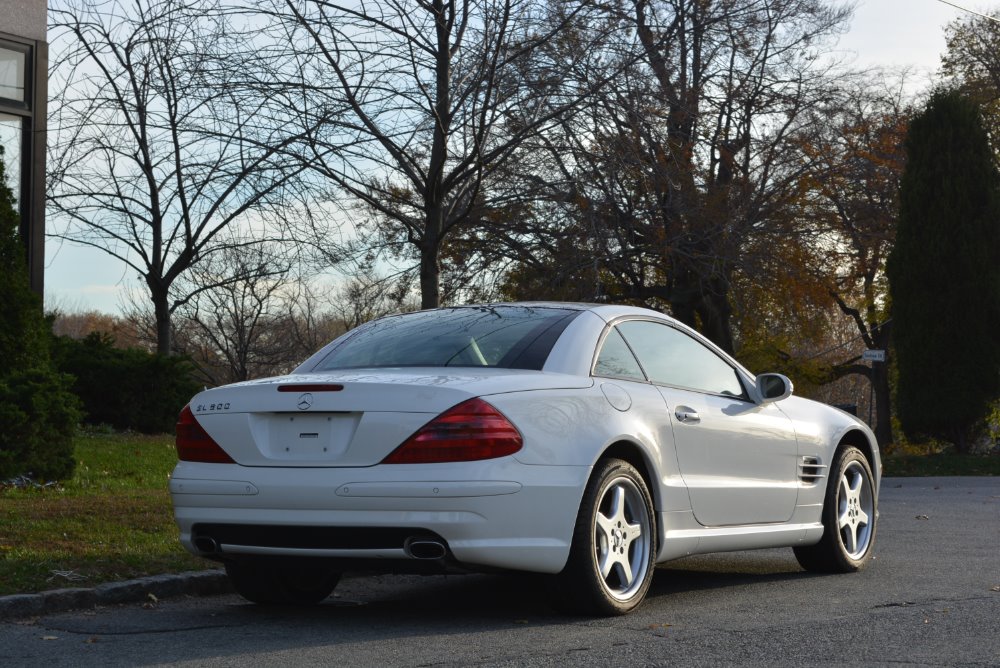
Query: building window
(13, 73)
(22, 136)
(15, 112)
(14, 97)
(10, 139)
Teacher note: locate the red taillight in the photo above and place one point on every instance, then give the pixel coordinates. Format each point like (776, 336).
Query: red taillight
(470, 431)
(194, 444)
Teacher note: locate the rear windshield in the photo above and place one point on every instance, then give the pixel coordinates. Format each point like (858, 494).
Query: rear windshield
(511, 337)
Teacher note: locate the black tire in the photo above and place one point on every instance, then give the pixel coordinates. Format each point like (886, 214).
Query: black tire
(282, 581)
(615, 527)
(850, 515)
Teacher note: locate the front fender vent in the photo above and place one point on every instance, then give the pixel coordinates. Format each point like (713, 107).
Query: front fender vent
(811, 470)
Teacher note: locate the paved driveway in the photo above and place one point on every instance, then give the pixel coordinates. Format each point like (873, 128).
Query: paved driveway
(930, 597)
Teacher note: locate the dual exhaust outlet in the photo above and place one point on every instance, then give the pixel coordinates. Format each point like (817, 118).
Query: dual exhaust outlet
(423, 548)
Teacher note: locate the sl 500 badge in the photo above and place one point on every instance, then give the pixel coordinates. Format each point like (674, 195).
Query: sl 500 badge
(204, 408)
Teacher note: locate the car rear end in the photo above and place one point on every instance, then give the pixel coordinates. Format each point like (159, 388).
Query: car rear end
(395, 468)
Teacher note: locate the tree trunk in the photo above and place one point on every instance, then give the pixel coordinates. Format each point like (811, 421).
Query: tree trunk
(430, 270)
(429, 279)
(698, 306)
(881, 389)
(434, 195)
(682, 302)
(715, 313)
(161, 309)
(883, 413)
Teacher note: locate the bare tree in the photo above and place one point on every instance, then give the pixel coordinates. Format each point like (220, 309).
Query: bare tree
(439, 94)
(367, 296)
(234, 331)
(157, 143)
(308, 323)
(270, 320)
(860, 154)
(972, 63)
(686, 171)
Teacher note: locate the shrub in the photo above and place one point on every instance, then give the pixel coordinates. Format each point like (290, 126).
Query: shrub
(38, 414)
(128, 389)
(39, 419)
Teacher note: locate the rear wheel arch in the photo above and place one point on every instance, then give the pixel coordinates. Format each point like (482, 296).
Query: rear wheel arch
(637, 457)
(613, 552)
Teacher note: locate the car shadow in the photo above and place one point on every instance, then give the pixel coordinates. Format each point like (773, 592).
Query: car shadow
(726, 570)
(497, 599)
(377, 611)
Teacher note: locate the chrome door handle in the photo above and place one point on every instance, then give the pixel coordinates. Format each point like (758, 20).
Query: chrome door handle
(687, 415)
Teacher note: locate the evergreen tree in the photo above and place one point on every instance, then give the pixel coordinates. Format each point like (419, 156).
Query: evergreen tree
(944, 274)
(38, 415)
(22, 328)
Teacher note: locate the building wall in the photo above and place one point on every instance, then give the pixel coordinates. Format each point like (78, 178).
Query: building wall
(26, 18)
(22, 120)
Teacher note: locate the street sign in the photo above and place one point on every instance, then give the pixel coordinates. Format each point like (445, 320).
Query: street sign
(873, 355)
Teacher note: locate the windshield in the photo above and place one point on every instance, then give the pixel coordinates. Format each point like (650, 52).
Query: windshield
(511, 337)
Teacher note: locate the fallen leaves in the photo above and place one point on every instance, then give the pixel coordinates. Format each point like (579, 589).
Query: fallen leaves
(660, 629)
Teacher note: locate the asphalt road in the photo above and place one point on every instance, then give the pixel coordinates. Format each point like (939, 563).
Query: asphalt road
(930, 597)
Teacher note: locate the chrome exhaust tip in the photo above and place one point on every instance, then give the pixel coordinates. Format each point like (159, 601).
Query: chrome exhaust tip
(424, 548)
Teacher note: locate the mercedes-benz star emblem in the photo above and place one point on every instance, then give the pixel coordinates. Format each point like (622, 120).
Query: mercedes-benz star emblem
(305, 402)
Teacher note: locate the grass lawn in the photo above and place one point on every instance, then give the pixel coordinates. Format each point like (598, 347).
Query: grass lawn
(113, 520)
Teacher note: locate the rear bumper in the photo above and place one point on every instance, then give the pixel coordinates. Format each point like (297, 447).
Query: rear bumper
(497, 513)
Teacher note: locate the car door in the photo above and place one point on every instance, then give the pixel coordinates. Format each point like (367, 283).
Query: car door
(737, 458)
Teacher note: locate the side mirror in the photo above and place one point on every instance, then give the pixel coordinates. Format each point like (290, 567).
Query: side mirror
(773, 387)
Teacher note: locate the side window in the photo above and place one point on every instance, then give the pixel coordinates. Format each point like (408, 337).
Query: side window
(616, 360)
(672, 357)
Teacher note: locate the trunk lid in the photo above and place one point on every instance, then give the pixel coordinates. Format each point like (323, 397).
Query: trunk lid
(346, 418)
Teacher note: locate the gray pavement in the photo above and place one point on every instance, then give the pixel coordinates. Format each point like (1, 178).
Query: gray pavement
(931, 596)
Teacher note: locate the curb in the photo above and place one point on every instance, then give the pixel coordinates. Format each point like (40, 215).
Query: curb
(190, 583)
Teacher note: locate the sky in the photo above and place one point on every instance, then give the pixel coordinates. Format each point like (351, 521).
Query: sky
(883, 33)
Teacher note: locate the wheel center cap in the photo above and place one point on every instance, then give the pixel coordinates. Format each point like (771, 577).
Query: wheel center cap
(618, 537)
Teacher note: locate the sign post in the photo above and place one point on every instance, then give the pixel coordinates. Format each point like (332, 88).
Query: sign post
(872, 355)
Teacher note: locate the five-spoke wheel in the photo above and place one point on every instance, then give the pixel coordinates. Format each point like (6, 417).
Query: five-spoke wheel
(855, 510)
(612, 557)
(848, 517)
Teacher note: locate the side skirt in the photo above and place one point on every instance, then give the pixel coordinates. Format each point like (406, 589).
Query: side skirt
(683, 542)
